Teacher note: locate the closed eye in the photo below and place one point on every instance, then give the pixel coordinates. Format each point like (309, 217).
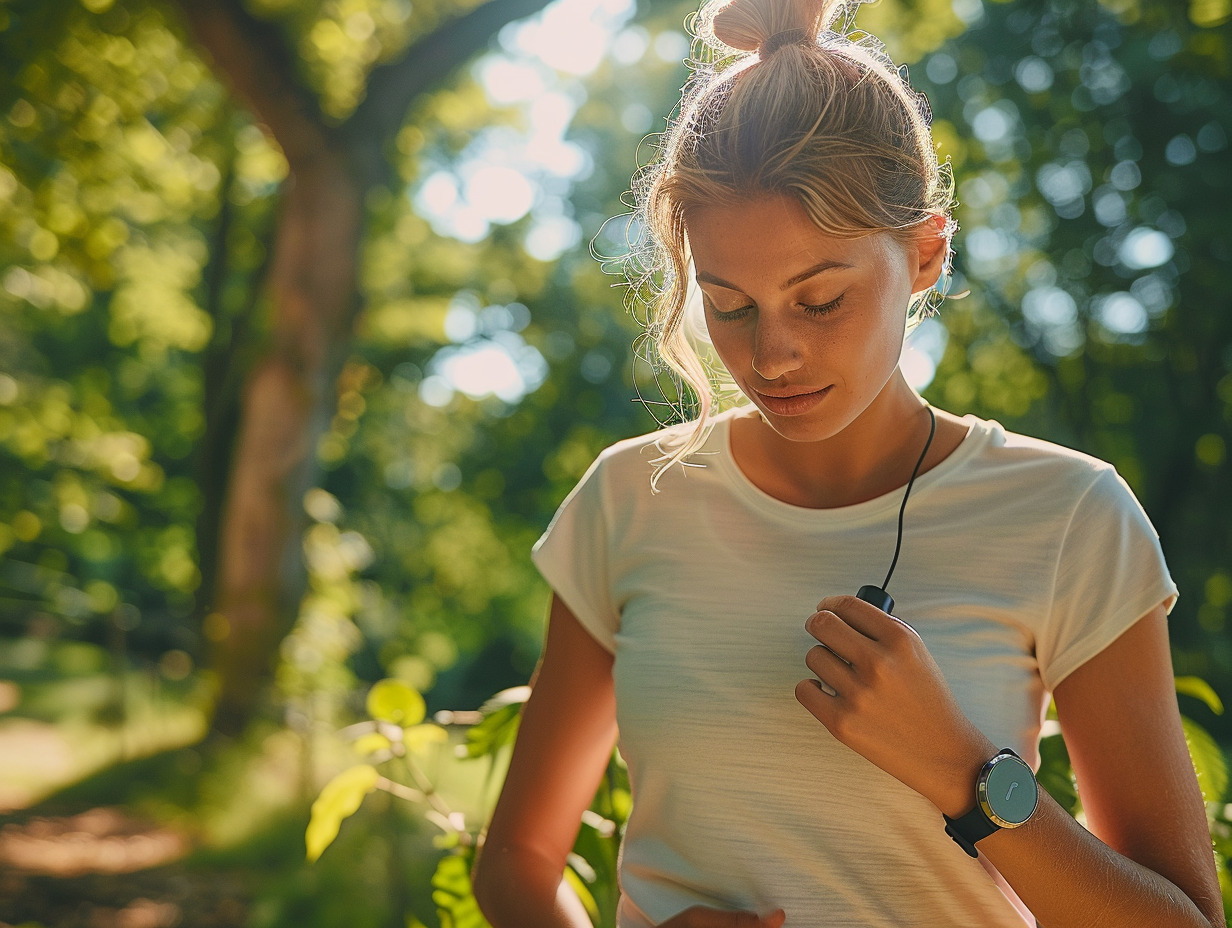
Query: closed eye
(730, 315)
(822, 308)
(819, 309)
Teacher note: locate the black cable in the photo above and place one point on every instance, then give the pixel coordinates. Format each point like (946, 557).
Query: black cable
(898, 545)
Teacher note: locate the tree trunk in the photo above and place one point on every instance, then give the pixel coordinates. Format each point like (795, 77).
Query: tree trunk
(286, 406)
(313, 282)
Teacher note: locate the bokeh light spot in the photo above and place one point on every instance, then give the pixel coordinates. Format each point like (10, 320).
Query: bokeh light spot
(1144, 248)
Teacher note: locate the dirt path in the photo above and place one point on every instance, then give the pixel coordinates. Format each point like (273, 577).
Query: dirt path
(104, 869)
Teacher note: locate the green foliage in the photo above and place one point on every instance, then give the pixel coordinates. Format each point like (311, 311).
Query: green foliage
(1056, 773)
(1208, 760)
(314, 679)
(591, 868)
(102, 222)
(1200, 689)
(136, 208)
(502, 715)
(598, 842)
(394, 701)
(452, 894)
(340, 798)
(1089, 143)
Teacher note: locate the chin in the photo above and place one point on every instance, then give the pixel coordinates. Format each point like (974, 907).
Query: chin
(813, 419)
(806, 428)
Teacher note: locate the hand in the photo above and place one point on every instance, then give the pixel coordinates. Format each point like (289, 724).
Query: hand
(882, 694)
(699, 916)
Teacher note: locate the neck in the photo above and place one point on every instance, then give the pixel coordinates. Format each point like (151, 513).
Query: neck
(872, 456)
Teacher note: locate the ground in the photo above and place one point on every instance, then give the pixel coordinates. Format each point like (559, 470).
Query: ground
(119, 810)
(102, 868)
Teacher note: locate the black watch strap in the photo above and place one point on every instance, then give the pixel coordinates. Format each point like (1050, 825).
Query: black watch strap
(980, 822)
(969, 828)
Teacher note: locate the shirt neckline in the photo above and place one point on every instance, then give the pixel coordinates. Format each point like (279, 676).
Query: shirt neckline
(978, 434)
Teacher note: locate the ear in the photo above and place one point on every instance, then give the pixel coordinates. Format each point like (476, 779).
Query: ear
(932, 246)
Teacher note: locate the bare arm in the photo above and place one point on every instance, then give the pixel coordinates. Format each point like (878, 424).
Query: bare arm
(566, 736)
(1147, 860)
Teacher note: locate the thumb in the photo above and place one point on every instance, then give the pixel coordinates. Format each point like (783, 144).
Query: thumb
(774, 920)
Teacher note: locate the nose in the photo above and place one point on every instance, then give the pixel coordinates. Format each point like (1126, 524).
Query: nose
(776, 350)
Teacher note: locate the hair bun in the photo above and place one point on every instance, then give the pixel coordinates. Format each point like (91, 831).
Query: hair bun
(765, 25)
(779, 39)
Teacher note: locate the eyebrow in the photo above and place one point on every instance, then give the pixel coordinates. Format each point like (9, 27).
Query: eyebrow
(704, 277)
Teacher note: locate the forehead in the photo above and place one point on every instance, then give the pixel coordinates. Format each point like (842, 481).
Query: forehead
(772, 235)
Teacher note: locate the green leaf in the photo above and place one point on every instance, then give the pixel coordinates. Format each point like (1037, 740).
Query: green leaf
(1200, 689)
(622, 805)
(394, 701)
(1208, 760)
(372, 743)
(418, 737)
(340, 798)
(453, 895)
(496, 731)
(513, 696)
(446, 840)
(583, 891)
(1225, 883)
(1221, 841)
(1056, 773)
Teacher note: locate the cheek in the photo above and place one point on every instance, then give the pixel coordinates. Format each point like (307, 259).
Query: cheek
(865, 353)
(730, 343)
(888, 328)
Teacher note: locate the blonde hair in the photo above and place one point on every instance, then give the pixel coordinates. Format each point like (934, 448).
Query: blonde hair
(823, 116)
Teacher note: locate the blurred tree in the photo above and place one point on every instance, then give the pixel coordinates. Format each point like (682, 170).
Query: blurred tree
(112, 154)
(140, 208)
(331, 168)
(1091, 146)
(143, 212)
(140, 218)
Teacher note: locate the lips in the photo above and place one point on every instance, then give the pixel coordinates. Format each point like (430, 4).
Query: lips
(792, 404)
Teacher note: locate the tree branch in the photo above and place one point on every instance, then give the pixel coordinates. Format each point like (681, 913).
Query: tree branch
(253, 56)
(393, 87)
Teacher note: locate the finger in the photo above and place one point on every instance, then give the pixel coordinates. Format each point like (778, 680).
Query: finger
(833, 632)
(829, 667)
(864, 617)
(822, 705)
(775, 919)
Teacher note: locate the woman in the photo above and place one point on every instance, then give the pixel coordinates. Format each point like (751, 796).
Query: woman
(800, 190)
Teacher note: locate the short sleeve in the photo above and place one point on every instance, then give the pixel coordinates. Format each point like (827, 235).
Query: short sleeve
(1110, 572)
(572, 555)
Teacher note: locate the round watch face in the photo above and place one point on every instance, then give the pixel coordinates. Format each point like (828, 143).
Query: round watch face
(1009, 793)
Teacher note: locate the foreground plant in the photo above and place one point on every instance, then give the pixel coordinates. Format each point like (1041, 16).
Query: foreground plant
(396, 729)
(389, 740)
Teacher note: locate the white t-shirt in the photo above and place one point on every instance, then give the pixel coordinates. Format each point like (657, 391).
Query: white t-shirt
(1020, 560)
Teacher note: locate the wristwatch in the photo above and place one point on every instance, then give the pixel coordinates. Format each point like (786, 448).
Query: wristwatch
(1006, 795)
